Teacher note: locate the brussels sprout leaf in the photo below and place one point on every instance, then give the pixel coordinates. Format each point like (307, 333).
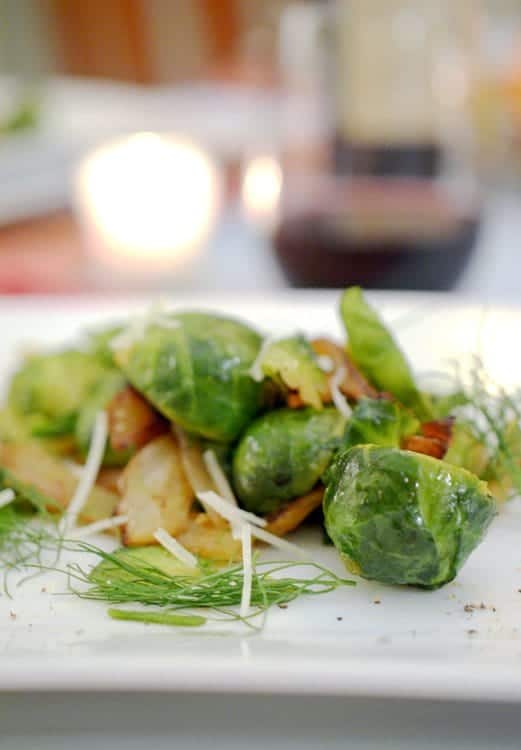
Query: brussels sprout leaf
(376, 353)
(292, 362)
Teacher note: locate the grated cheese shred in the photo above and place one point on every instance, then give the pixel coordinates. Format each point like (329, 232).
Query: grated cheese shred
(218, 477)
(325, 363)
(90, 470)
(236, 515)
(176, 549)
(222, 484)
(6, 496)
(278, 542)
(227, 511)
(156, 315)
(255, 371)
(98, 527)
(247, 569)
(338, 397)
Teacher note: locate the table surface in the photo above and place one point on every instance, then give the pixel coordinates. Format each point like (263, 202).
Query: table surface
(195, 722)
(46, 254)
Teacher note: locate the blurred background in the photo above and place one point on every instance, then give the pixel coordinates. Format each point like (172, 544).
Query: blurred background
(260, 144)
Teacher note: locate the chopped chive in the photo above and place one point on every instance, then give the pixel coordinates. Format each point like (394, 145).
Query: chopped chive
(159, 618)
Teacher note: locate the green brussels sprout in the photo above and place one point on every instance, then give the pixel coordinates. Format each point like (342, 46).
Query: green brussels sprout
(156, 558)
(98, 399)
(292, 362)
(98, 343)
(283, 454)
(402, 517)
(54, 385)
(379, 422)
(467, 449)
(13, 426)
(197, 374)
(376, 353)
(54, 434)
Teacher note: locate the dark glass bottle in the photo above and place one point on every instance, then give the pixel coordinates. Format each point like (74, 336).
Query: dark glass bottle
(392, 201)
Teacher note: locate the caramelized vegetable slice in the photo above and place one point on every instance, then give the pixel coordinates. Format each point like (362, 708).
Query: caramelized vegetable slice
(292, 365)
(425, 445)
(354, 385)
(204, 539)
(30, 463)
(290, 516)
(195, 470)
(434, 440)
(155, 492)
(109, 478)
(132, 421)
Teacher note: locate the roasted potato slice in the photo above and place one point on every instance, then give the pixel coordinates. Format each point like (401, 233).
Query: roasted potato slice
(196, 471)
(109, 478)
(290, 516)
(155, 492)
(205, 539)
(32, 464)
(132, 421)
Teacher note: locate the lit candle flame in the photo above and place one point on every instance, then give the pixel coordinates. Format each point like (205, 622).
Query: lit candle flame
(147, 202)
(261, 188)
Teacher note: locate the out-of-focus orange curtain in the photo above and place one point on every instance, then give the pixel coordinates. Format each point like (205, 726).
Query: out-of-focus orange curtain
(223, 24)
(102, 39)
(112, 39)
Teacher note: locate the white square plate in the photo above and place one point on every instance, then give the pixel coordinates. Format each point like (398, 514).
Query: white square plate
(368, 640)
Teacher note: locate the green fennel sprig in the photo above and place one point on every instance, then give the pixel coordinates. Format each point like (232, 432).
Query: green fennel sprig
(132, 581)
(493, 416)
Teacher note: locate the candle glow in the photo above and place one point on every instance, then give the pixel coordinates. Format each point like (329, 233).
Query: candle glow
(261, 188)
(147, 202)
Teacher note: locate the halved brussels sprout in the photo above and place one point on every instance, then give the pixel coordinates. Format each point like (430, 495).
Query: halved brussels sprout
(283, 454)
(54, 385)
(292, 363)
(405, 518)
(99, 343)
(155, 557)
(197, 374)
(379, 422)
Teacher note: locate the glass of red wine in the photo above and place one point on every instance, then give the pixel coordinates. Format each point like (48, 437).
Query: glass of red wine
(379, 187)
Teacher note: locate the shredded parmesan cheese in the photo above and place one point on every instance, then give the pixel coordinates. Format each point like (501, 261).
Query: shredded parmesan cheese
(74, 467)
(247, 569)
(194, 468)
(218, 476)
(242, 517)
(338, 397)
(276, 541)
(176, 549)
(222, 485)
(98, 527)
(325, 363)
(6, 496)
(156, 315)
(255, 371)
(227, 511)
(90, 471)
